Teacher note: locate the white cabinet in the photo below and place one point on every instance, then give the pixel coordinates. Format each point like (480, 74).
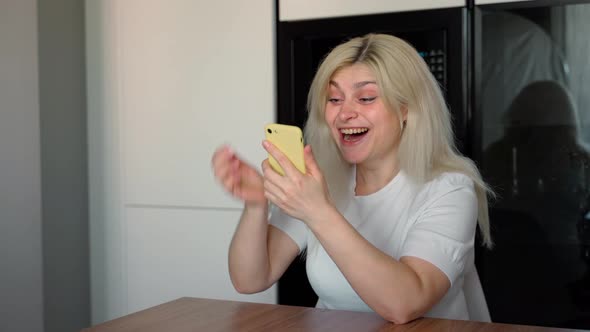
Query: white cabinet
(193, 75)
(486, 2)
(168, 82)
(295, 10)
(180, 252)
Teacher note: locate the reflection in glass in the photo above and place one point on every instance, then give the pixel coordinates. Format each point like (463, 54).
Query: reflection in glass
(535, 113)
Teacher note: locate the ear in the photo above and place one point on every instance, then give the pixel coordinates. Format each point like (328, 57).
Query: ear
(404, 112)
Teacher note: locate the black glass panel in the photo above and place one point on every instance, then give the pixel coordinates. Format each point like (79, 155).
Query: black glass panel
(301, 45)
(533, 103)
(310, 51)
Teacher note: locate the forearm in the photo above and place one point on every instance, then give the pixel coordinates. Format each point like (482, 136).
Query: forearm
(248, 251)
(388, 286)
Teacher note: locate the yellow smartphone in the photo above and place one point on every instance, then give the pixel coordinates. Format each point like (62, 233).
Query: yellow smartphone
(288, 139)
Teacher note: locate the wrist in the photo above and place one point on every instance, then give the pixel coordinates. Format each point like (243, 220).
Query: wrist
(323, 217)
(259, 207)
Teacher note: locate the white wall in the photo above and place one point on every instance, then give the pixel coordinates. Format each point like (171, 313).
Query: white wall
(21, 277)
(169, 81)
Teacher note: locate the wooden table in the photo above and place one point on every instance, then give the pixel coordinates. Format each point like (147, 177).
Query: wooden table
(192, 314)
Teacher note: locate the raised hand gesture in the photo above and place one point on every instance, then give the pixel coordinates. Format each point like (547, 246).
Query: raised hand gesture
(238, 177)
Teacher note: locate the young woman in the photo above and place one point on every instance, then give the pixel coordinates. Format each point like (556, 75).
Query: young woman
(387, 210)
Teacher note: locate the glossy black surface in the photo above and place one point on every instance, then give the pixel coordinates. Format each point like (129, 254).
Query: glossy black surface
(531, 105)
(516, 77)
(438, 35)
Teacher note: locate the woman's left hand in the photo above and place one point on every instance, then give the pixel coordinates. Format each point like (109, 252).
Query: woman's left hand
(302, 196)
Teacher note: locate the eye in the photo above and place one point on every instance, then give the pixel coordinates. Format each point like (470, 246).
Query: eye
(367, 100)
(334, 100)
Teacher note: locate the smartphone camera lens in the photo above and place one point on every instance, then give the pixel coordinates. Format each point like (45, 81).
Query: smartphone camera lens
(269, 131)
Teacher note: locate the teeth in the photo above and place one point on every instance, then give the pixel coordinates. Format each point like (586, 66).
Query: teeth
(349, 131)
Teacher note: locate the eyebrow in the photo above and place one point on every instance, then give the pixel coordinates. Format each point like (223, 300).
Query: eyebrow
(356, 85)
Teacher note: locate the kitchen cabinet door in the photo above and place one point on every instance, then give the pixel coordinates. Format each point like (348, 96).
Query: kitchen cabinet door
(296, 10)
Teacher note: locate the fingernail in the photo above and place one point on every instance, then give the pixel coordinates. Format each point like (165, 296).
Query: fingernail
(265, 143)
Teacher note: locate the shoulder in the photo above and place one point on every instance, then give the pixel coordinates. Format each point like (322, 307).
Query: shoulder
(447, 190)
(448, 204)
(447, 183)
(452, 180)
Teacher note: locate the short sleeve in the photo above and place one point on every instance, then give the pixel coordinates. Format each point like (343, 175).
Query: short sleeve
(294, 228)
(444, 232)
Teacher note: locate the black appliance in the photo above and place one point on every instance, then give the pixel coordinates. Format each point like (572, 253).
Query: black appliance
(531, 115)
(439, 36)
(514, 76)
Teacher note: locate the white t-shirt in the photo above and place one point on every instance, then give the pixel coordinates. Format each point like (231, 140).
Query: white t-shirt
(435, 222)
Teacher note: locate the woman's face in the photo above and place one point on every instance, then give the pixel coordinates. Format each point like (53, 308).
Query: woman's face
(365, 131)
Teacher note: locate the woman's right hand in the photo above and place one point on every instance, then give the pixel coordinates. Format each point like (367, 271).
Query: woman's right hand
(238, 177)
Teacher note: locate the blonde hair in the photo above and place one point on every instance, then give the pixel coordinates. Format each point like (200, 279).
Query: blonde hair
(427, 146)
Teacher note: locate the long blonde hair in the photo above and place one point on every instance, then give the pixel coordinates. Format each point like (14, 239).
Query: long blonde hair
(427, 146)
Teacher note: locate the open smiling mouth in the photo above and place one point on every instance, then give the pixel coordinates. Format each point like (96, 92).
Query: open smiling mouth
(353, 134)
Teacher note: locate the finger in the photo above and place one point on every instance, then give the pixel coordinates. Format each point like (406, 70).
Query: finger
(232, 179)
(281, 158)
(222, 156)
(217, 154)
(223, 170)
(265, 167)
(240, 192)
(250, 171)
(269, 173)
(236, 173)
(310, 163)
(229, 183)
(223, 176)
(272, 188)
(221, 153)
(273, 199)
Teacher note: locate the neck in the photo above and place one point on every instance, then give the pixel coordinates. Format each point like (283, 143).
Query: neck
(371, 179)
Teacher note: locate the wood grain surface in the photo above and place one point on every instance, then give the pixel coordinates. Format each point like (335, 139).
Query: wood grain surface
(194, 314)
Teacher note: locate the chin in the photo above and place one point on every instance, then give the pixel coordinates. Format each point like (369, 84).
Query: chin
(352, 159)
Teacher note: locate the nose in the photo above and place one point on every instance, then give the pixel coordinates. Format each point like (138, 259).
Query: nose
(348, 111)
